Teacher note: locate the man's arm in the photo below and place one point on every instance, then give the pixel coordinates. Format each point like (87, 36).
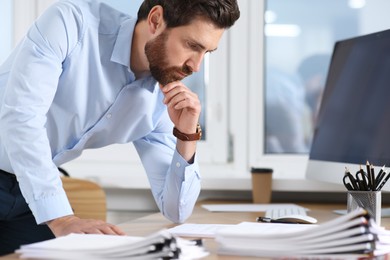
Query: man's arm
(30, 90)
(175, 183)
(171, 164)
(31, 87)
(184, 110)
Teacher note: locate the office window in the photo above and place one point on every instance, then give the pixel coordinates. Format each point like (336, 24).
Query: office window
(299, 37)
(5, 31)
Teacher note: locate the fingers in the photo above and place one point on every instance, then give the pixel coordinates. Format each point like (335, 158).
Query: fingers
(65, 226)
(178, 96)
(102, 228)
(118, 231)
(182, 100)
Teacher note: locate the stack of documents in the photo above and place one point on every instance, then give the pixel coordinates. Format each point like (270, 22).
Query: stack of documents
(351, 234)
(160, 245)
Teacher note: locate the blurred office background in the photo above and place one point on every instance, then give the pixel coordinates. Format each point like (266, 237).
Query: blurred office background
(260, 92)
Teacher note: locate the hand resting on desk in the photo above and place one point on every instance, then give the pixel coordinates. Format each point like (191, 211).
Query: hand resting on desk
(72, 224)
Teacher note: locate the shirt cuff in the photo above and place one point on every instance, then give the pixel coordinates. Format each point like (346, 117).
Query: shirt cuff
(184, 169)
(50, 208)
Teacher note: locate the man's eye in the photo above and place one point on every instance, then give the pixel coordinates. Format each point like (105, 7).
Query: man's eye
(193, 46)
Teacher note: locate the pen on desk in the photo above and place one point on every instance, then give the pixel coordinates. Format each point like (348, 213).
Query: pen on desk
(270, 220)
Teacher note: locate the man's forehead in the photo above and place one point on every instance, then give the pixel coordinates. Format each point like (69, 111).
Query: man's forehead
(202, 32)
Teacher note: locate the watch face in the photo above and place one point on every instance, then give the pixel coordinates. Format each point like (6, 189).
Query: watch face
(199, 131)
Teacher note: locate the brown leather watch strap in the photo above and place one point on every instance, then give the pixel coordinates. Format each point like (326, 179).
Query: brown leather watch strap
(188, 137)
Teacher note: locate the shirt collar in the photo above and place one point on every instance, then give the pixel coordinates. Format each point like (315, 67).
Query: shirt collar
(122, 47)
(122, 51)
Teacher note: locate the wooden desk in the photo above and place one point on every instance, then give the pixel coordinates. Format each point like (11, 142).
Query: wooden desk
(155, 222)
(152, 223)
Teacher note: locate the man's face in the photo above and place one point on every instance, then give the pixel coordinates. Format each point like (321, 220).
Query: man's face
(177, 52)
(156, 52)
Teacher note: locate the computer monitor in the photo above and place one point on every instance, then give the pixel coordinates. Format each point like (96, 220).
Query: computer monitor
(353, 124)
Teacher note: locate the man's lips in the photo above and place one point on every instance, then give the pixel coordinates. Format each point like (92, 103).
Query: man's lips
(181, 74)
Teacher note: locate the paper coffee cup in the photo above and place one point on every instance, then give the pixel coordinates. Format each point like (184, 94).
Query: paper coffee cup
(261, 185)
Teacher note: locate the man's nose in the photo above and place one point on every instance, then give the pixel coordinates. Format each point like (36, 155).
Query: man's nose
(195, 62)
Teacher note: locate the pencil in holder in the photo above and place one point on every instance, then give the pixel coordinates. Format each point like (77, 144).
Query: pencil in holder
(369, 200)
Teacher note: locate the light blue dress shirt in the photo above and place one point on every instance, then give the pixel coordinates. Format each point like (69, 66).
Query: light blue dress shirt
(68, 87)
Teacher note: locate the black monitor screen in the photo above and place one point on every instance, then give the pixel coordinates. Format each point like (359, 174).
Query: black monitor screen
(353, 124)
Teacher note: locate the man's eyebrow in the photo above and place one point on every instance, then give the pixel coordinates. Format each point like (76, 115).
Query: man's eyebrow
(203, 47)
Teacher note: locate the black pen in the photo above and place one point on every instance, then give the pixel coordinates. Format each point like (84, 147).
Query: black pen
(384, 181)
(270, 220)
(373, 178)
(369, 176)
(380, 176)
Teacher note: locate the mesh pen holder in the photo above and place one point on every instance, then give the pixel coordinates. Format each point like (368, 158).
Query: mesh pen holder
(369, 200)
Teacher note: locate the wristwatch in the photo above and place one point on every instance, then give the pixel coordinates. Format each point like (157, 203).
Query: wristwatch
(188, 137)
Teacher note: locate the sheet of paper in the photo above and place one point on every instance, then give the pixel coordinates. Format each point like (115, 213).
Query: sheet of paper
(159, 245)
(83, 242)
(269, 228)
(246, 207)
(197, 230)
(210, 230)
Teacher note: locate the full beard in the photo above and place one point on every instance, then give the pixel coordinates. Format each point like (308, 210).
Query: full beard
(156, 54)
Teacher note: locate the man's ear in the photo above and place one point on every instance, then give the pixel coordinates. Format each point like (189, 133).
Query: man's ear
(156, 19)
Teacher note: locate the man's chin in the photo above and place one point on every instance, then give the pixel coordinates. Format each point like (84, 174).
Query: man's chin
(170, 80)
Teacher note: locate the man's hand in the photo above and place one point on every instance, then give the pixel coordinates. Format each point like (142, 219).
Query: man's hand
(183, 106)
(72, 224)
(184, 110)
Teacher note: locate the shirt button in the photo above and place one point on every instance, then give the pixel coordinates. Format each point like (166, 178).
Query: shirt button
(177, 164)
(109, 115)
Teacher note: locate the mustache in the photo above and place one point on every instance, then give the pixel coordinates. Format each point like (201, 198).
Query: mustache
(186, 70)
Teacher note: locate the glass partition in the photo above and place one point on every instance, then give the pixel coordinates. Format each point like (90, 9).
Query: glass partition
(299, 39)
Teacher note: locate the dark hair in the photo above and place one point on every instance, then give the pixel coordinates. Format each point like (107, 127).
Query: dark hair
(222, 13)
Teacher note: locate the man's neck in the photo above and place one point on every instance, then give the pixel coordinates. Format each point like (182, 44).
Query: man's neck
(138, 62)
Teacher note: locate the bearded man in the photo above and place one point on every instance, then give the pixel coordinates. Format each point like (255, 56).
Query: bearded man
(87, 76)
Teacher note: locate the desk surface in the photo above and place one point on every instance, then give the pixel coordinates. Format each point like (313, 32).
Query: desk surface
(155, 222)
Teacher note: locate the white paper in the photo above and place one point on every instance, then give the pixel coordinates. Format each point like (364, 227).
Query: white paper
(197, 230)
(103, 247)
(90, 242)
(247, 207)
(348, 233)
